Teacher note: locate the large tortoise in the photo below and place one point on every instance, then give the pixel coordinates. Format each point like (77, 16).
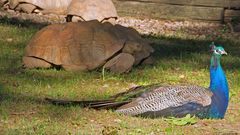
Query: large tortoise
(86, 46)
(83, 10)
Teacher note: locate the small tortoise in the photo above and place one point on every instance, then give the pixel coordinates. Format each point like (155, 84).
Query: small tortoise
(86, 46)
(74, 10)
(45, 6)
(87, 10)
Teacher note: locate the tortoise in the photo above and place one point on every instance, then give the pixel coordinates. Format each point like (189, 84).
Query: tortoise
(84, 46)
(87, 10)
(46, 6)
(74, 10)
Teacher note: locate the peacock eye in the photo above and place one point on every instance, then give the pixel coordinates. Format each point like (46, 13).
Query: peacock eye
(217, 51)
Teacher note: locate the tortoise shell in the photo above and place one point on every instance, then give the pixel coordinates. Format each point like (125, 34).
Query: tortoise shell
(86, 10)
(92, 9)
(49, 6)
(86, 46)
(73, 46)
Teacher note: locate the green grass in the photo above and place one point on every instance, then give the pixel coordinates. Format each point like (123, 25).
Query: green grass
(180, 59)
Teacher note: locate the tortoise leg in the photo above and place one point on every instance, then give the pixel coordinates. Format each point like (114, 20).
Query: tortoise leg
(69, 18)
(111, 20)
(38, 11)
(32, 62)
(77, 19)
(148, 61)
(121, 63)
(74, 18)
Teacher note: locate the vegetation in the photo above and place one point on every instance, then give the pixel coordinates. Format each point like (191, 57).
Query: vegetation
(179, 59)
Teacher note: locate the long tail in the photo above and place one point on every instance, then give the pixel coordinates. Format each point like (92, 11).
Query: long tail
(96, 104)
(114, 101)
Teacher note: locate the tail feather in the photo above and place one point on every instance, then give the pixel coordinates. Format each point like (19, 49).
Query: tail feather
(75, 102)
(95, 104)
(114, 102)
(127, 92)
(111, 105)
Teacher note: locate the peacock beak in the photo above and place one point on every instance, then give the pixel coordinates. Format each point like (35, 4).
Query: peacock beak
(223, 52)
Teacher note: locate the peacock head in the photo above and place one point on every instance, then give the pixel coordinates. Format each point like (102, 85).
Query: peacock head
(217, 50)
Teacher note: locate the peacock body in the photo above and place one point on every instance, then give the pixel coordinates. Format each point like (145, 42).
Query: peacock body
(178, 101)
(175, 101)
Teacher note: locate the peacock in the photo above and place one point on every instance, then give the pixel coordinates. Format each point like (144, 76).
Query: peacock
(174, 100)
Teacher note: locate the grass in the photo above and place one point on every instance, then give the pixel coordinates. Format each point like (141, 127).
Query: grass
(179, 59)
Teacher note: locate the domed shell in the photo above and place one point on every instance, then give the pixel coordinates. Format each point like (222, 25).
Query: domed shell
(73, 46)
(51, 6)
(92, 9)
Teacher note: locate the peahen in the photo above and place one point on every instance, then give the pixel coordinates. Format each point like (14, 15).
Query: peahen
(162, 101)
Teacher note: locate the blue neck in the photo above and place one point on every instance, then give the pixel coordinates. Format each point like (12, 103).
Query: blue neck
(219, 87)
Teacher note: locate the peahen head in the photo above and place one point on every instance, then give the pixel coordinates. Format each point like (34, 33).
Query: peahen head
(218, 84)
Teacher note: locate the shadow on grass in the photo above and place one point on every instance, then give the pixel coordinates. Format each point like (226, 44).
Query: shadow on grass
(188, 51)
(1, 92)
(22, 23)
(24, 105)
(174, 47)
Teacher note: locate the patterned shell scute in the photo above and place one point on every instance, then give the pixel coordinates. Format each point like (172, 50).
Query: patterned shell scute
(92, 9)
(165, 97)
(44, 47)
(100, 46)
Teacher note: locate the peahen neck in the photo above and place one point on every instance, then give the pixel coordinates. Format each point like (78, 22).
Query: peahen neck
(219, 87)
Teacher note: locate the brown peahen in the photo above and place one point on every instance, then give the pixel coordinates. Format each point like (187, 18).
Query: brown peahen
(162, 101)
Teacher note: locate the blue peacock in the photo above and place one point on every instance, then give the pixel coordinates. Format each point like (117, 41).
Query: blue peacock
(177, 101)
